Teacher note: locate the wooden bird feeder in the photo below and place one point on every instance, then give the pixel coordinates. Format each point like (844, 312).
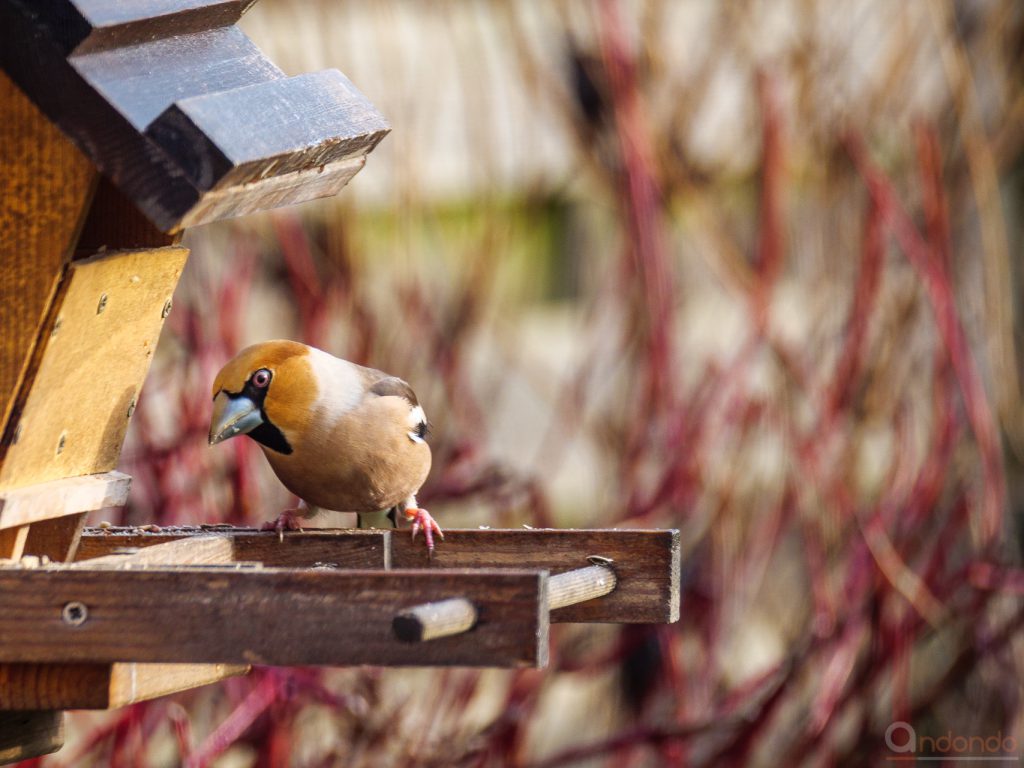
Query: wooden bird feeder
(121, 124)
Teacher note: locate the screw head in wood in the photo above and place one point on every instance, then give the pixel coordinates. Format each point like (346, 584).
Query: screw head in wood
(56, 326)
(103, 303)
(131, 408)
(74, 614)
(166, 310)
(62, 442)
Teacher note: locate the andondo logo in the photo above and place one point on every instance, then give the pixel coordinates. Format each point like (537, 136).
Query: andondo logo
(903, 740)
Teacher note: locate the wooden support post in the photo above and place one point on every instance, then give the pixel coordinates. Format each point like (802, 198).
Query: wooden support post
(12, 542)
(56, 539)
(30, 734)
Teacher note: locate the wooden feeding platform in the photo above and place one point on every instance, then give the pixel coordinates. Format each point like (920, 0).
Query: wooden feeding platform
(135, 614)
(121, 124)
(327, 597)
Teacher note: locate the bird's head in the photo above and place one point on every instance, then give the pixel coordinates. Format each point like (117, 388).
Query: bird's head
(265, 391)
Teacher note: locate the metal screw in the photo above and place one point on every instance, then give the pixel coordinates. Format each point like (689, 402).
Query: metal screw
(131, 408)
(166, 310)
(56, 326)
(75, 614)
(61, 443)
(599, 560)
(103, 303)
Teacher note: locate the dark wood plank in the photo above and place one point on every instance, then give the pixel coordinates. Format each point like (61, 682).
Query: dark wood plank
(141, 81)
(282, 617)
(293, 127)
(102, 686)
(646, 564)
(56, 538)
(339, 549)
(44, 188)
(30, 734)
(87, 25)
(107, 92)
(12, 542)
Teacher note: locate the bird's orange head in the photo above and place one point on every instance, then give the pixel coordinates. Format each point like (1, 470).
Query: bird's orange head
(265, 391)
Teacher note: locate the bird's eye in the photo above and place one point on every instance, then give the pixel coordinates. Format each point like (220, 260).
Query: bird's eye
(261, 378)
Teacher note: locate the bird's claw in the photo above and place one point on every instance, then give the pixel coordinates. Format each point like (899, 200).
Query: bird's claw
(423, 521)
(286, 521)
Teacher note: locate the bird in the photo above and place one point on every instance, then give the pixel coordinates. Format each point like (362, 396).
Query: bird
(338, 435)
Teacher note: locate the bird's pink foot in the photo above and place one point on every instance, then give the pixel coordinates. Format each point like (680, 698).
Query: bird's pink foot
(422, 520)
(286, 521)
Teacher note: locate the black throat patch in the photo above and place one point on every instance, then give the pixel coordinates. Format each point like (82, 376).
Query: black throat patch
(266, 434)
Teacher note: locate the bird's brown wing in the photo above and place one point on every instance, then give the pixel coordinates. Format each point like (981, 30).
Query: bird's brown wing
(395, 387)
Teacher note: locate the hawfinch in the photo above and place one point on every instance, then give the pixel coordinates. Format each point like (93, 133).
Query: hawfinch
(338, 435)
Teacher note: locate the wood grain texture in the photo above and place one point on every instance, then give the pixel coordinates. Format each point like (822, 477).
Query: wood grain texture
(205, 549)
(333, 549)
(181, 110)
(102, 686)
(56, 498)
(30, 734)
(115, 223)
(646, 564)
(281, 617)
(88, 25)
(273, 192)
(295, 126)
(93, 363)
(44, 191)
(56, 539)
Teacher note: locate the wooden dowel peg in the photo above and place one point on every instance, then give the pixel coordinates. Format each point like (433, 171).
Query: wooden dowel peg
(432, 620)
(581, 584)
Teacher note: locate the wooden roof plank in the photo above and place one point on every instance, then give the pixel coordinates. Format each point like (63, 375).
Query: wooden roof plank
(253, 139)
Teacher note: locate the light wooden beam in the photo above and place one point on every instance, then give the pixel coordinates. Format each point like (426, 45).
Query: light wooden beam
(102, 686)
(57, 498)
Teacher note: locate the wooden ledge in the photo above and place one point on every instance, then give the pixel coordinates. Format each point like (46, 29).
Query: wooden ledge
(283, 617)
(646, 562)
(57, 498)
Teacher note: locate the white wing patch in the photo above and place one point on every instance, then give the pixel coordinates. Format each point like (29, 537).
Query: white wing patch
(416, 418)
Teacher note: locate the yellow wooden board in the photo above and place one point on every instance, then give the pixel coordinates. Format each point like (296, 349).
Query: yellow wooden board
(45, 188)
(73, 419)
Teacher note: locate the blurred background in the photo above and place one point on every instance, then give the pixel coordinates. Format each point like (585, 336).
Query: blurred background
(749, 269)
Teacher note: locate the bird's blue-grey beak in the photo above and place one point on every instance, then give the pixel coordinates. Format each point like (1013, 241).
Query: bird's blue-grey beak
(232, 416)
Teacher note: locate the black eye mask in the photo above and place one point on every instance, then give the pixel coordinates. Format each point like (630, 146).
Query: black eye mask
(267, 433)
